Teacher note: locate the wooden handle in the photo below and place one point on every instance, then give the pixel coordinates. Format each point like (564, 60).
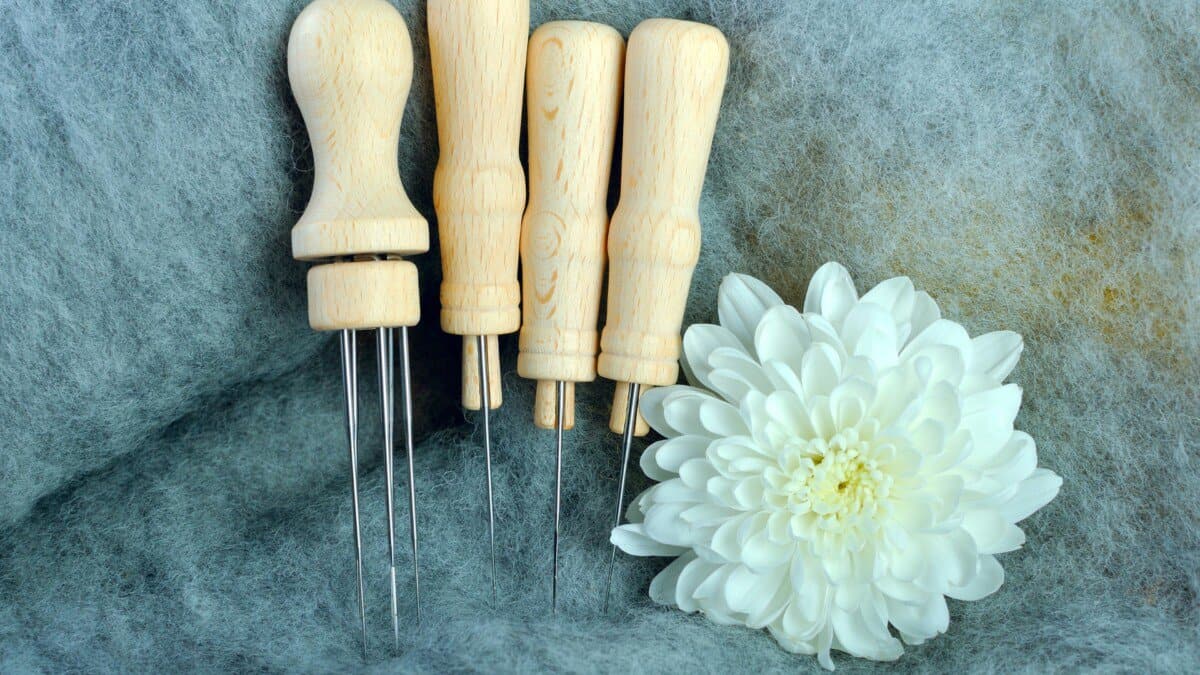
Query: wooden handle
(470, 373)
(545, 404)
(573, 93)
(477, 49)
(350, 66)
(616, 418)
(674, 75)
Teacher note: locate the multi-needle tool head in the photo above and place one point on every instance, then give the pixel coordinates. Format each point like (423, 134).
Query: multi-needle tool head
(350, 66)
(477, 51)
(573, 90)
(674, 77)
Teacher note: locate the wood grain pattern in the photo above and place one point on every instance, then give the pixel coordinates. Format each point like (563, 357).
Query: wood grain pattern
(616, 416)
(350, 66)
(470, 375)
(366, 294)
(674, 77)
(573, 90)
(477, 51)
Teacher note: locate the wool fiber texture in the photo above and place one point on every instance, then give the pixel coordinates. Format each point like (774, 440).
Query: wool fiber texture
(173, 474)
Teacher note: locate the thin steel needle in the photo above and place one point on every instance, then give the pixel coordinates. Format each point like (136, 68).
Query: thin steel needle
(485, 406)
(406, 389)
(350, 382)
(387, 393)
(560, 409)
(631, 407)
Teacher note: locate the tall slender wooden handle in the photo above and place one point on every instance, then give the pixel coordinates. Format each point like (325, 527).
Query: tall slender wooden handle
(573, 94)
(477, 50)
(674, 76)
(350, 66)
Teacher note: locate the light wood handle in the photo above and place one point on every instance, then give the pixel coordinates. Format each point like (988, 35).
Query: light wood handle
(674, 76)
(573, 93)
(545, 406)
(350, 66)
(616, 418)
(470, 374)
(477, 51)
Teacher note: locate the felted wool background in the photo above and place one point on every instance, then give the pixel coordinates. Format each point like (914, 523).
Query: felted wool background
(173, 476)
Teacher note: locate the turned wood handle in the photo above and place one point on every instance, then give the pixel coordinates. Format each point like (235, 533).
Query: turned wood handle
(674, 76)
(477, 51)
(573, 93)
(350, 66)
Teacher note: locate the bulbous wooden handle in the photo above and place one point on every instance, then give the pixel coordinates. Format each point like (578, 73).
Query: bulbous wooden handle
(573, 91)
(674, 77)
(350, 66)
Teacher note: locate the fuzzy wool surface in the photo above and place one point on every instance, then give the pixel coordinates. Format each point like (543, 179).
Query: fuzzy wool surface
(173, 479)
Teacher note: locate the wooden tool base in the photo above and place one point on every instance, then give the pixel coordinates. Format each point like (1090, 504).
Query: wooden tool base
(545, 405)
(616, 420)
(470, 373)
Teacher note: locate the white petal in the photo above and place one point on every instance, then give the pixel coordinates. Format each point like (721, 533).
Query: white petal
(664, 525)
(831, 293)
(870, 331)
(925, 312)
(1033, 493)
(661, 461)
(988, 579)
(860, 639)
(632, 539)
(741, 302)
(691, 576)
(820, 370)
(782, 335)
(896, 295)
(920, 622)
(735, 373)
(761, 554)
(940, 332)
(997, 353)
(662, 588)
(699, 342)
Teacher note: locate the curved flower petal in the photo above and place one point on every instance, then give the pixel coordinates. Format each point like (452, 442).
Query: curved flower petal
(997, 353)
(741, 302)
(831, 293)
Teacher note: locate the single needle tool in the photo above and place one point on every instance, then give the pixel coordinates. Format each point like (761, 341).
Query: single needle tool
(674, 77)
(350, 67)
(477, 51)
(573, 94)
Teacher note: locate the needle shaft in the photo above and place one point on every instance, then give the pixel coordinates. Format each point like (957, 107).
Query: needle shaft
(485, 407)
(631, 408)
(350, 382)
(387, 392)
(559, 411)
(406, 392)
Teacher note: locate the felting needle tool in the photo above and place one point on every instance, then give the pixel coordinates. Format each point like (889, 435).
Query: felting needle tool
(674, 77)
(350, 67)
(477, 51)
(573, 95)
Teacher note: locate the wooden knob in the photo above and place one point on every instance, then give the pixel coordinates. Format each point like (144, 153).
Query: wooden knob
(350, 66)
(573, 90)
(477, 51)
(545, 404)
(616, 418)
(674, 76)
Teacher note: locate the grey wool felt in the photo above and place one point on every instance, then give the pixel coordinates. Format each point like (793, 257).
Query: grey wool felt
(173, 489)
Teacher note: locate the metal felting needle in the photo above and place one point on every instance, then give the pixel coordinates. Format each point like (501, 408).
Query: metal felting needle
(674, 77)
(350, 67)
(477, 51)
(573, 91)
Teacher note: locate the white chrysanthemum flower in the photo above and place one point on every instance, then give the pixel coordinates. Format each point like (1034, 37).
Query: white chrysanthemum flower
(833, 471)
